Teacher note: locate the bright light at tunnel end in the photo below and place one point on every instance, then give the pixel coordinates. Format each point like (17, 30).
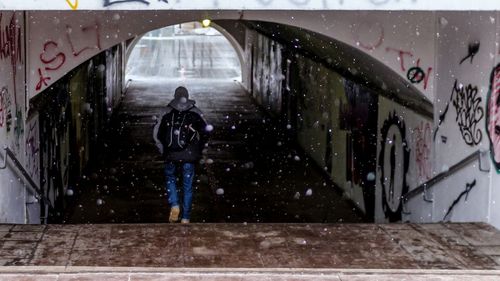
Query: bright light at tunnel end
(206, 22)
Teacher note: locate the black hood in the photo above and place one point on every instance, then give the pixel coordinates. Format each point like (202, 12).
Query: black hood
(182, 106)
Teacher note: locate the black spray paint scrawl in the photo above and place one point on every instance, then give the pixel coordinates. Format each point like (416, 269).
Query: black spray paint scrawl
(393, 165)
(468, 188)
(467, 104)
(473, 50)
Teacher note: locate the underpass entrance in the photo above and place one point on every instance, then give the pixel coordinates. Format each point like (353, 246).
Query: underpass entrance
(275, 156)
(253, 169)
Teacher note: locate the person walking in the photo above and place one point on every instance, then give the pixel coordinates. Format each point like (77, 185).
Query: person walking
(181, 136)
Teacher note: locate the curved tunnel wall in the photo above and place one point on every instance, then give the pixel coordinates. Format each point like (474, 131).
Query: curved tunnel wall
(62, 40)
(340, 124)
(72, 117)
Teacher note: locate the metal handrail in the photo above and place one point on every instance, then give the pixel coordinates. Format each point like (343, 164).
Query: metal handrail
(476, 155)
(34, 189)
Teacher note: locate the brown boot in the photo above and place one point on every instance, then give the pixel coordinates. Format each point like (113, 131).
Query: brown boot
(174, 214)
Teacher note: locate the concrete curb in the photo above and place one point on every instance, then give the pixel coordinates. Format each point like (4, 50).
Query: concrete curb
(236, 271)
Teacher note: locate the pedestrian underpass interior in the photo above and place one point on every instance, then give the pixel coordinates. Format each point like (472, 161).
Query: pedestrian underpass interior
(253, 171)
(342, 127)
(294, 141)
(356, 117)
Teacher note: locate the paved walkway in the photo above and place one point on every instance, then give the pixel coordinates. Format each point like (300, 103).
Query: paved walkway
(257, 246)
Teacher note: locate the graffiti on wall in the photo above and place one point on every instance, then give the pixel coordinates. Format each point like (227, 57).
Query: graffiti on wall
(262, 2)
(467, 103)
(493, 117)
(11, 46)
(468, 189)
(394, 159)
(32, 149)
(11, 110)
(422, 140)
(53, 58)
(72, 5)
(414, 73)
(5, 109)
(9, 120)
(325, 3)
(472, 51)
(371, 35)
(368, 36)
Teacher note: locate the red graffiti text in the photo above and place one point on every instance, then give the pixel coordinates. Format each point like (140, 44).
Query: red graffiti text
(53, 58)
(11, 46)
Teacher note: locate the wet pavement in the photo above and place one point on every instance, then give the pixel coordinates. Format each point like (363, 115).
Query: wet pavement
(245, 251)
(251, 172)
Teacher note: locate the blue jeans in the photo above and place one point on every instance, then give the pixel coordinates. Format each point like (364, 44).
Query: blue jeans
(187, 184)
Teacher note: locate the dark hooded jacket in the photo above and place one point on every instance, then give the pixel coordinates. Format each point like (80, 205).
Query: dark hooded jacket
(194, 118)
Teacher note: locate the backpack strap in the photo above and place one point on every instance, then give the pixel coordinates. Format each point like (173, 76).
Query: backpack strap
(171, 127)
(158, 143)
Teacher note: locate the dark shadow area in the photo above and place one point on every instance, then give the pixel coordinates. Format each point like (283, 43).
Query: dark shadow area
(252, 172)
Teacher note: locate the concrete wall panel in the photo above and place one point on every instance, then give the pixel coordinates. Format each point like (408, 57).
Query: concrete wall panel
(404, 157)
(464, 200)
(465, 58)
(12, 118)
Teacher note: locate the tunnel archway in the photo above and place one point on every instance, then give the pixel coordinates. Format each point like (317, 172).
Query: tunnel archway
(336, 25)
(307, 52)
(207, 43)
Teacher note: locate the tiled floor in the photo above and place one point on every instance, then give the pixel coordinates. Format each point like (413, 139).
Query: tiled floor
(315, 246)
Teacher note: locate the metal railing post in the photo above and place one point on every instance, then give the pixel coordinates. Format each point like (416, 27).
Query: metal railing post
(34, 189)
